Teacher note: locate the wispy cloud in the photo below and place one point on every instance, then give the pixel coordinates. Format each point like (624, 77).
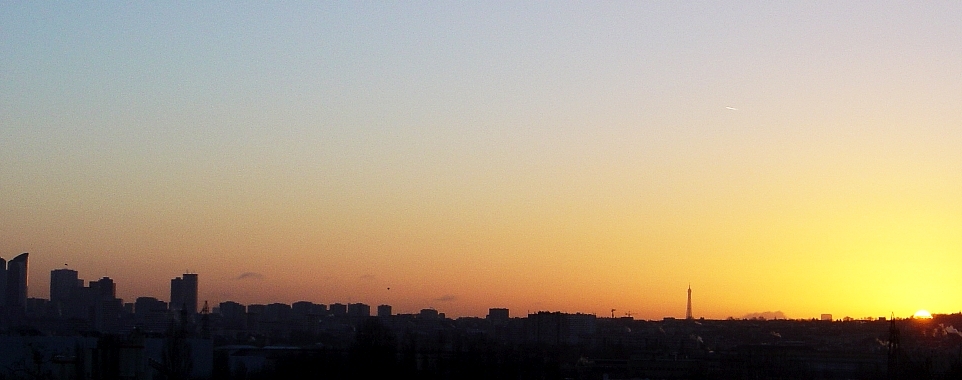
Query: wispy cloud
(447, 298)
(250, 276)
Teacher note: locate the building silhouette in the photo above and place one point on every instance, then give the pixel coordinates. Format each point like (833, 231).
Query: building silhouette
(63, 286)
(255, 315)
(338, 309)
(183, 293)
(301, 308)
(150, 314)
(104, 288)
(15, 299)
(277, 312)
(498, 315)
(233, 314)
(429, 314)
(688, 311)
(557, 328)
(358, 310)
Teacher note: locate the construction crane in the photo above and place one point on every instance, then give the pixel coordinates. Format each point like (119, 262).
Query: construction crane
(205, 321)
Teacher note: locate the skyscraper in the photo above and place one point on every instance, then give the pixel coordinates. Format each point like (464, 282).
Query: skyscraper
(16, 292)
(104, 288)
(63, 285)
(688, 312)
(176, 293)
(105, 309)
(183, 293)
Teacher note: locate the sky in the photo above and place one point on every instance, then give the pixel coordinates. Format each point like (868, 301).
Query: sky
(802, 157)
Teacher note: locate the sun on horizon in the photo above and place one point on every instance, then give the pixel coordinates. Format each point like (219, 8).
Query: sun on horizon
(924, 314)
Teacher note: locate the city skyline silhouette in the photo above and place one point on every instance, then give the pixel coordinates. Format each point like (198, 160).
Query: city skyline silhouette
(184, 293)
(85, 331)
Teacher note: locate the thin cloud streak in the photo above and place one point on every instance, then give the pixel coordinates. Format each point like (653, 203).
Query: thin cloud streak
(250, 276)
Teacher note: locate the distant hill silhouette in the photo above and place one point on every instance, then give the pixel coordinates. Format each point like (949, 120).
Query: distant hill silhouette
(766, 315)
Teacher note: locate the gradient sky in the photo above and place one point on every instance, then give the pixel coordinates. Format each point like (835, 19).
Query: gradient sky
(537, 156)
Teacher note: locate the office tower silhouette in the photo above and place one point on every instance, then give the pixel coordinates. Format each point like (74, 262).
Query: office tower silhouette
(233, 314)
(150, 314)
(358, 310)
(63, 285)
(105, 309)
(384, 310)
(104, 288)
(429, 314)
(688, 312)
(16, 284)
(183, 293)
(338, 309)
(498, 315)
